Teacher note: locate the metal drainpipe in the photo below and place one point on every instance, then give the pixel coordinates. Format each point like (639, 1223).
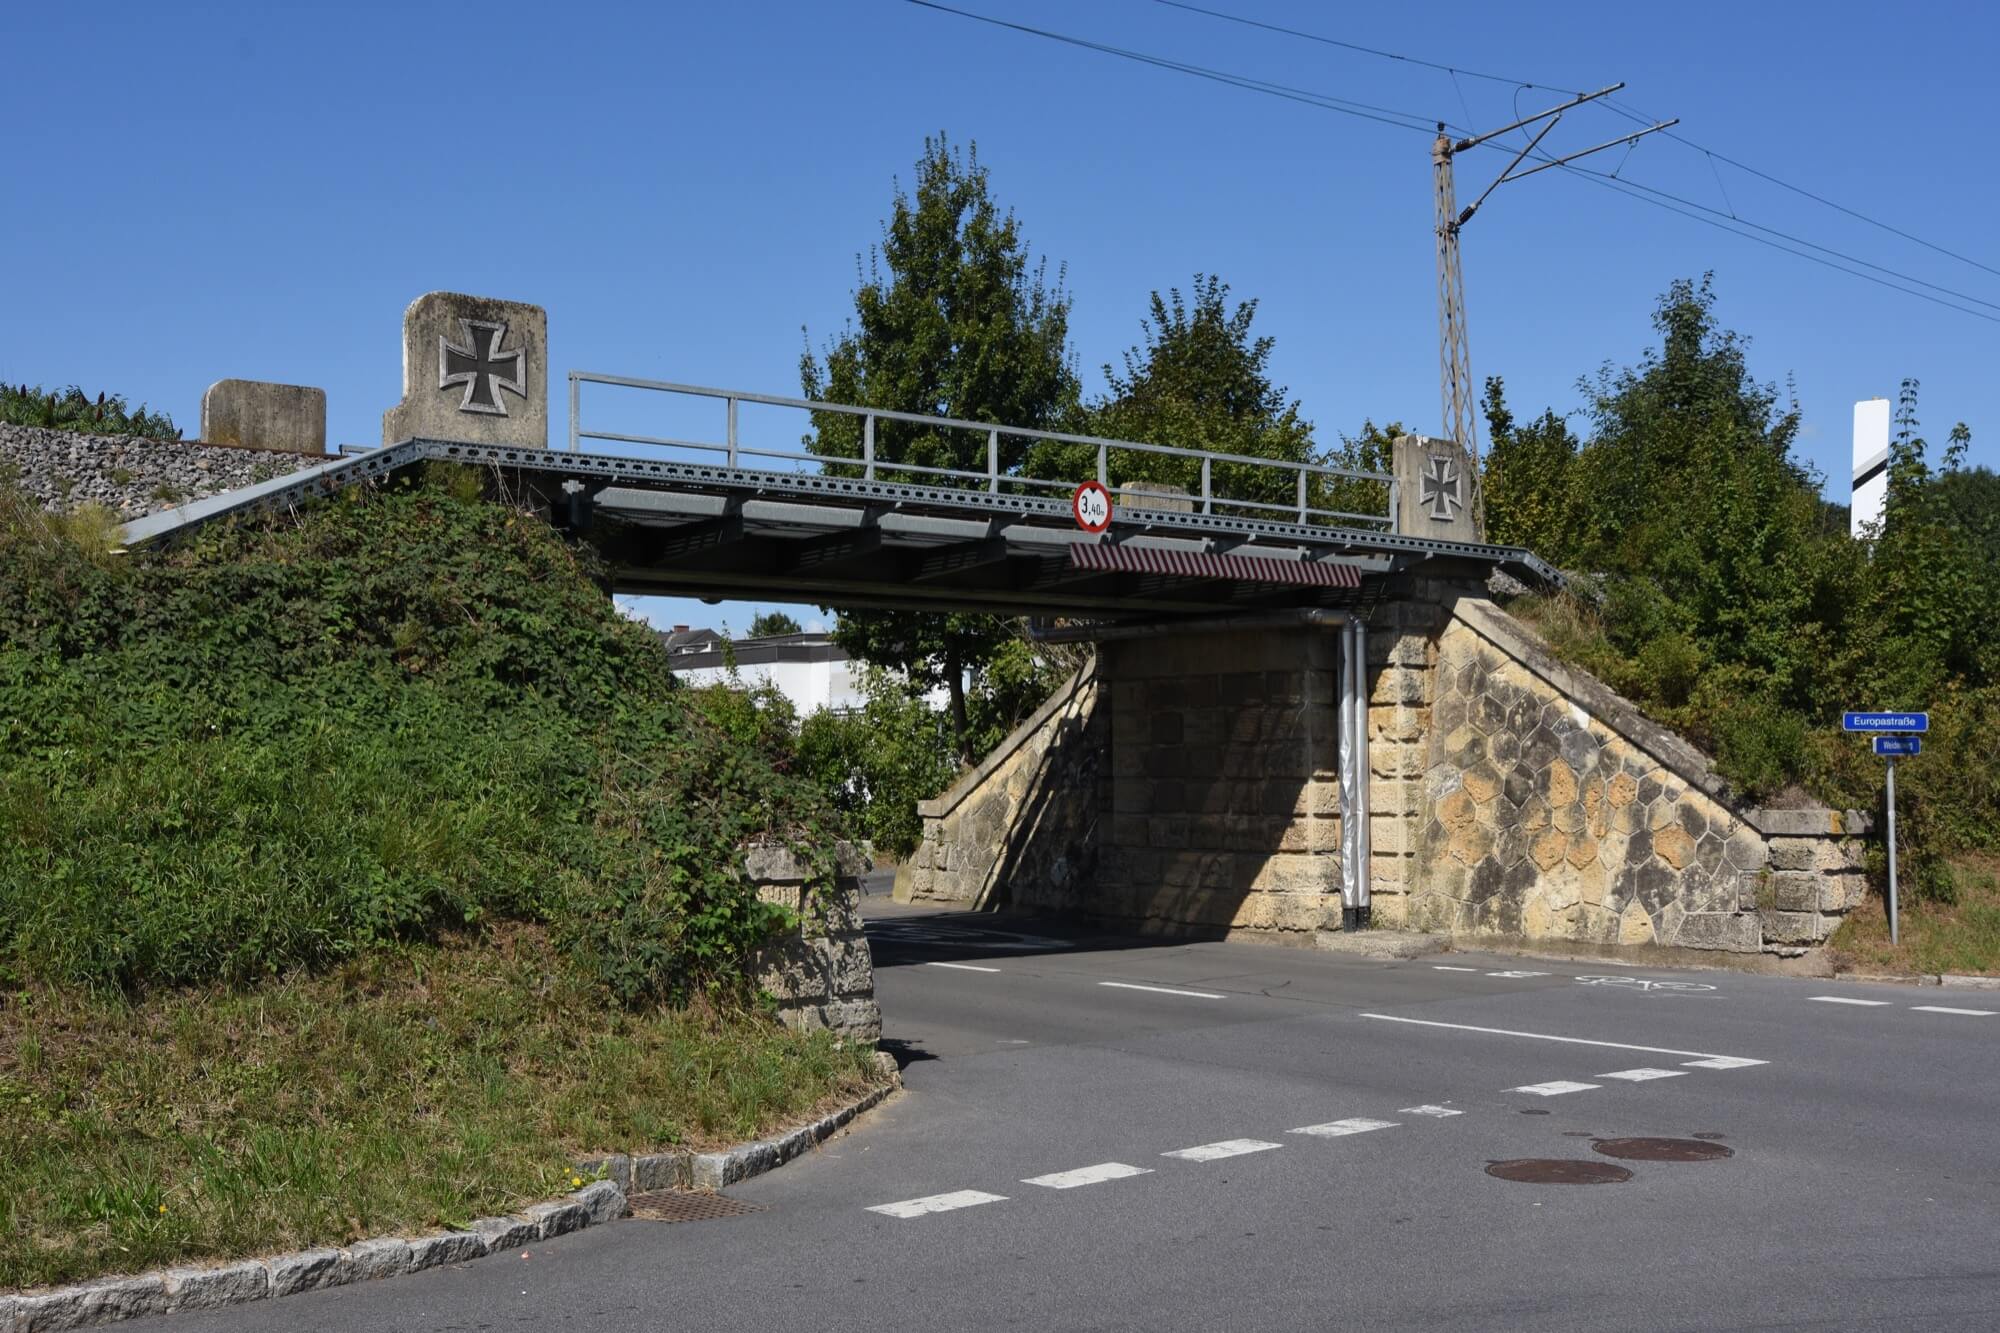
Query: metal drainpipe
(1357, 632)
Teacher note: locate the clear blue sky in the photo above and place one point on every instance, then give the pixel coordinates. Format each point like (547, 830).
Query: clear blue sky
(257, 190)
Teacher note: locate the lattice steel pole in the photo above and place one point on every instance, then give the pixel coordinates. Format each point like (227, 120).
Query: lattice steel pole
(1454, 348)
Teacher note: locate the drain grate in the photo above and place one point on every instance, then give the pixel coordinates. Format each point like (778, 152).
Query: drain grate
(1558, 1171)
(1663, 1150)
(679, 1206)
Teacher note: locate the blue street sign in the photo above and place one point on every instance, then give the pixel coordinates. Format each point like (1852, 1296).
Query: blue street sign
(1898, 745)
(1885, 722)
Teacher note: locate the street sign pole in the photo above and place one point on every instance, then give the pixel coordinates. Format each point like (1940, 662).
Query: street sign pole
(1893, 939)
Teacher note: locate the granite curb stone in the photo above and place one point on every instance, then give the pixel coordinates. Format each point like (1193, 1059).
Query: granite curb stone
(195, 1287)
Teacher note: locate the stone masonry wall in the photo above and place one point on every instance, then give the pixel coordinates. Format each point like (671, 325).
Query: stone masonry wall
(1023, 826)
(129, 476)
(822, 974)
(1225, 784)
(1551, 810)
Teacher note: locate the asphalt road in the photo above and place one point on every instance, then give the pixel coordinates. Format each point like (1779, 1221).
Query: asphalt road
(1036, 1171)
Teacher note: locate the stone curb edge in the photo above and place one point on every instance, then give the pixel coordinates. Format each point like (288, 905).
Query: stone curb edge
(167, 1291)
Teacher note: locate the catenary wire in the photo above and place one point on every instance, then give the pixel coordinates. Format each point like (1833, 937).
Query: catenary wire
(1408, 120)
(1385, 115)
(1610, 104)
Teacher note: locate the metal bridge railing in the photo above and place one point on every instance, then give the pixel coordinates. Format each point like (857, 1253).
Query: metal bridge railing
(1229, 484)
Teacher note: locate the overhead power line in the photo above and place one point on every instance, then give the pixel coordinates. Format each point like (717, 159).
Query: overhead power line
(1407, 120)
(1659, 198)
(1610, 104)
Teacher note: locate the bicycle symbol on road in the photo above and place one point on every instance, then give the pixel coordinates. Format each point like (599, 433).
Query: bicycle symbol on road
(1645, 985)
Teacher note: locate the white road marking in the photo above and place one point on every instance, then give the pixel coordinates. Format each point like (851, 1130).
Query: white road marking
(1947, 1009)
(1554, 1088)
(964, 967)
(1215, 1152)
(1088, 1175)
(1517, 975)
(937, 1203)
(1643, 1075)
(1550, 1036)
(1440, 967)
(1428, 1109)
(1334, 1129)
(1842, 999)
(1165, 990)
(1723, 1062)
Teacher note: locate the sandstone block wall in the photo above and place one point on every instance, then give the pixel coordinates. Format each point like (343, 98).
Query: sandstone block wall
(1552, 810)
(821, 974)
(1023, 826)
(132, 477)
(1225, 784)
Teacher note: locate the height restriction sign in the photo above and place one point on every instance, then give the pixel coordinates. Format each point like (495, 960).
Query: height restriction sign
(1092, 506)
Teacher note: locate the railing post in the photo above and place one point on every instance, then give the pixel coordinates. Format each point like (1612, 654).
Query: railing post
(572, 411)
(1207, 498)
(868, 446)
(1395, 506)
(1103, 474)
(1302, 496)
(732, 431)
(993, 462)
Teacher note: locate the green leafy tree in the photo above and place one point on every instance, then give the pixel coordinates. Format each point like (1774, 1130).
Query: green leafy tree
(1527, 478)
(952, 320)
(877, 762)
(770, 623)
(1196, 380)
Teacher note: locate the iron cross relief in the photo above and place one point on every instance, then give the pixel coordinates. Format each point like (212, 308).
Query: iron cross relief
(1441, 489)
(483, 368)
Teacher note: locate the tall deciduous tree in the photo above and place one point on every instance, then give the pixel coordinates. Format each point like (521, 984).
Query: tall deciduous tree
(951, 320)
(1196, 380)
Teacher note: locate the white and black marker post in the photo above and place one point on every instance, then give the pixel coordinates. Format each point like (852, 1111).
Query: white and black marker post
(1892, 733)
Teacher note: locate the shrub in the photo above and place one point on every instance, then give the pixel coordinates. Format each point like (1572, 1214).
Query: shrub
(73, 409)
(408, 710)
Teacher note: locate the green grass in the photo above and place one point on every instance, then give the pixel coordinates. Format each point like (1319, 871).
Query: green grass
(405, 1089)
(1961, 936)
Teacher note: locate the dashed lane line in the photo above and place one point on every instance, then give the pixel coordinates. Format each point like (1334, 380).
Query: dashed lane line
(937, 1203)
(1427, 1109)
(1555, 1087)
(1947, 1009)
(1440, 967)
(1721, 1062)
(1087, 1175)
(963, 967)
(1215, 1152)
(1842, 999)
(1644, 1075)
(1335, 1129)
(1165, 990)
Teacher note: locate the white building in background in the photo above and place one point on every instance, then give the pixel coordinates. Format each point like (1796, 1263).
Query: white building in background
(1871, 465)
(809, 669)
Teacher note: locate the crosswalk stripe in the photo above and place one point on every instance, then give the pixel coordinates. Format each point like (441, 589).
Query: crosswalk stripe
(1087, 1175)
(1554, 1088)
(1334, 1129)
(1215, 1152)
(937, 1203)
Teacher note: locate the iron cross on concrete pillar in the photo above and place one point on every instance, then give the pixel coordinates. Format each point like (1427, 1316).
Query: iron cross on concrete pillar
(483, 368)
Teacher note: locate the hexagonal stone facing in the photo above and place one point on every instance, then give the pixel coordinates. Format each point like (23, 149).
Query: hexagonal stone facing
(1481, 782)
(1674, 846)
(1503, 747)
(1561, 784)
(1549, 849)
(1622, 790)
(1457, 810)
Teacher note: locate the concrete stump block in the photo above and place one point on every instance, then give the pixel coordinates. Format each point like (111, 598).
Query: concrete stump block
(255, 415)
(474, 369)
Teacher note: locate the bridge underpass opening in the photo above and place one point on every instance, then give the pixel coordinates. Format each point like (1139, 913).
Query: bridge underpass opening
(1273, 807)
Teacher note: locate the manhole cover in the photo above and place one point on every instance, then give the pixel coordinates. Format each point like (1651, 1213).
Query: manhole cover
(676, 1206)
(1663, 1150)
(1558, 1171)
